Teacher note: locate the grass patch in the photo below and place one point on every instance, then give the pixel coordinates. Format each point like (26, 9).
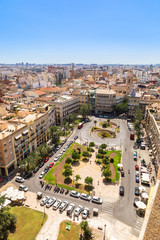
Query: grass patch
(26, 219)
(73, 233)
(117, 159)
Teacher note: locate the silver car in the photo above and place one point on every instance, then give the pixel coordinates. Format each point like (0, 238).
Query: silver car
(57, 204)
(50, 202)
(78, 210)
(85, 213)
(70, 208)
(44, 200)
(63, 206)
(85, 196)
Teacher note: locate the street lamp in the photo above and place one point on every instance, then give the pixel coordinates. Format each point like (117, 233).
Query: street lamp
(104, 232)
(73, 177)
(56, 180)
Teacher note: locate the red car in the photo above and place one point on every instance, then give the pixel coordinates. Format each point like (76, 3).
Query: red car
(51, 164)
(136, 167)
(47, 158)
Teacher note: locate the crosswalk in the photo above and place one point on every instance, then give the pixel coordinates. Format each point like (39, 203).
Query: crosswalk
(107, 207)
(139, 223)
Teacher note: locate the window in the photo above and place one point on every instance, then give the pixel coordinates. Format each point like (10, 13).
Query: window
(4, 144)
(9, 141)
(5, 150)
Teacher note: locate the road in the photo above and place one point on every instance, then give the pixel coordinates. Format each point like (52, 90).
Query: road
(123, 209)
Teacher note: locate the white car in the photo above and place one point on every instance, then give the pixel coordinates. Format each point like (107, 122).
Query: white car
(41, 175)
(70, 208)
(85, 196)
(57, 204)
(23, 188)
(55, 159)
(78, 210)
(74, 194)
(64, 149)
(50, 202)
(85, 213)
(19, 179)
(97, 200)
(63, 206)
(44, 200)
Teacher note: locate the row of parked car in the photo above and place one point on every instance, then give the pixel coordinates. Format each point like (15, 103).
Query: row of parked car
(55, 204)
(62, 152)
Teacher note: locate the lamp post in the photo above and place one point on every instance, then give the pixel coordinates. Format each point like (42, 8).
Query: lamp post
(104, 237)
(73, 177)
(56, 180)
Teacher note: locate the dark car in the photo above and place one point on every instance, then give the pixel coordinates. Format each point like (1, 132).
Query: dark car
(28, 175)
(36, 169)
(135, 200)
(75, 137)
(121, 191)
(122, 173)
(136, 191)
(137, 179)
(46, 169)
(41, 164)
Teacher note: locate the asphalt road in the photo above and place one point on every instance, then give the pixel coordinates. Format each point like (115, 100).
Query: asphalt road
(123, 208)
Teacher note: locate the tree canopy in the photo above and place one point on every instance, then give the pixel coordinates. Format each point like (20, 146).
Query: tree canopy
(85, 110)
(89, 180)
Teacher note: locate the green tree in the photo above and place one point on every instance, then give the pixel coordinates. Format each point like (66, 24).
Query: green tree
(107, 172)
(68, 160)
(67, 172)
(103, 146)
(100, 151)
(7, 221)
(87, 233)
(55, 135)
(138, 129)
(85, 110)
(77, 177)
(66, 165)
(85, 154)
(95, 122)
(91, 144)
(88, 180)
(75, 156)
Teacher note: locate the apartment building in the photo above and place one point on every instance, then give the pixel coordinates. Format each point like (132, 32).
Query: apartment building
(64, 105)
(105, 100)
(19, 137)
(152, 119)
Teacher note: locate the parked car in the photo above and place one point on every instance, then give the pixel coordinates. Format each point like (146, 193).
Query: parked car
(97, 200)
(36, 169)
(122, 173)
(135, 200)
(23, 188)
(85, 213)
(41, 175)
(137, 179)
(137, 191)
(70, 209)
(44, 200)
(85, 196)
(78, 210)
(121, 191)
(63, 206)
(75, 137)
(50, 202)
(57, 204)
(74, 194)
(46, 169)
(28, 175)
(46, 160)
(136, 167)
(137, 173)
(66, 192)
(55, 159)
(51, 164)
(19, 179)
(41, 164)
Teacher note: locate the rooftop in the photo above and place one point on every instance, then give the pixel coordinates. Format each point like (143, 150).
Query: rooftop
(105, 91)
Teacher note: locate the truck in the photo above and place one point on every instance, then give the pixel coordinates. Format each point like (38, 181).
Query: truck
(145, 178)
(80, 125)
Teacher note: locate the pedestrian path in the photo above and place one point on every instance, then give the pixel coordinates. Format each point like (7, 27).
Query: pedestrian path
(107, 207)
(139, 224)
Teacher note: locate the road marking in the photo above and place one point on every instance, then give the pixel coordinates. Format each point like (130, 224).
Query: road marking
(139, 223)
(107, 207)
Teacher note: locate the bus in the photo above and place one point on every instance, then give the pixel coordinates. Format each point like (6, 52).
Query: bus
(80, 125)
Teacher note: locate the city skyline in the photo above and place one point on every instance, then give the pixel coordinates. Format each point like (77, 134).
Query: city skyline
(80, 32)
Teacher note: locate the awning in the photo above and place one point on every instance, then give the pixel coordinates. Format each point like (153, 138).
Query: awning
(25, 132)
(18, 136)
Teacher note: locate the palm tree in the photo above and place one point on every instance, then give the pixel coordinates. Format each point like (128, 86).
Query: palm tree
(95, 121)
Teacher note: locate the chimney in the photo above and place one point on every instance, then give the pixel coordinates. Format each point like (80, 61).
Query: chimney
(3, 135)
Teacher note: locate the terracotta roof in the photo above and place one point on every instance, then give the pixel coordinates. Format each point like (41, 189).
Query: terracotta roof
(39, 92)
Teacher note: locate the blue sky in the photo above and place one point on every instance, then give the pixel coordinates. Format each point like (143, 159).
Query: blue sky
(84, 31)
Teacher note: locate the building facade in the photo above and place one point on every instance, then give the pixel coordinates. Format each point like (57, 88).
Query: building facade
(104, 101)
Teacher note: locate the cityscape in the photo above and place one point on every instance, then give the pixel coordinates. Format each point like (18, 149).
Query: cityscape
(79, 120)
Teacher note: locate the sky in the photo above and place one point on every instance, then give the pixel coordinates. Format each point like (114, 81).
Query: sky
(84, 31)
